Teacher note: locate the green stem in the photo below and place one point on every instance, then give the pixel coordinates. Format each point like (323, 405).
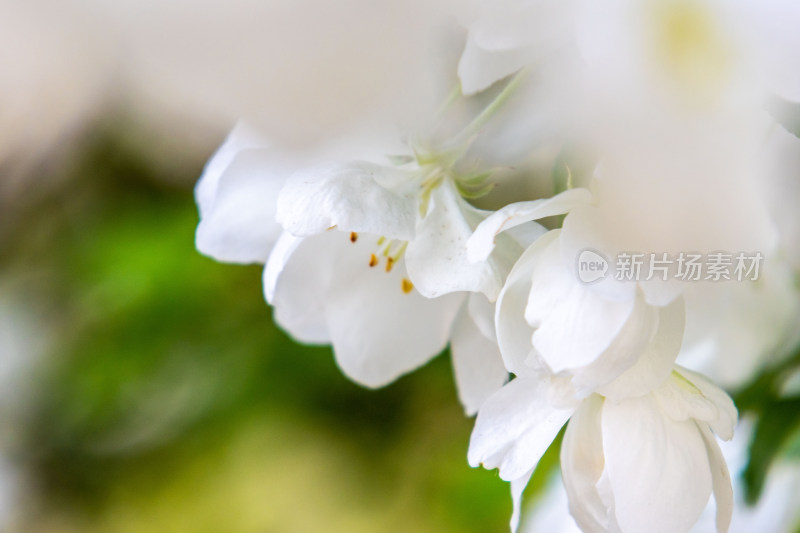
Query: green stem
(479, 121)
(451, 99)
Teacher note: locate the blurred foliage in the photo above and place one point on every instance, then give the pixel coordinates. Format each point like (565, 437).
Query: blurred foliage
(171, 402)
(777, 430)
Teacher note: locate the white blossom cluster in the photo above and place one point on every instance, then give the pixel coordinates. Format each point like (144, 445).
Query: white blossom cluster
(674, 109)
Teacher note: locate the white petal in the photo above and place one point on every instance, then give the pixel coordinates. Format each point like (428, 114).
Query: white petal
(514, 428)
(573, 325)
(352, 197)
(508, 25)
(378, 330)
(655, 364)
(783, 188)
(585, 229)
(477, 362)
(726, 415)
(482, 312)
(479, 68)
(437, 257)
(238, 225)
(281, 253)
(657, 467)
(296, 280)
(241, 137)
(777, 22)
(517, 488)
(627, 349)
(513, 331)
(582, 465)
(504, 36)
(721, 480)
(524, 234)
(324, 290)
(481, 244)
(681, 400)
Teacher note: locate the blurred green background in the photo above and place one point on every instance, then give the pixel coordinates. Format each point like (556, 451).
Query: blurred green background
(165, 399)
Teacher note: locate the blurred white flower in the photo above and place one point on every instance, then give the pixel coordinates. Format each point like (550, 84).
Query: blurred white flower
(178, 73)
(303, 71)
(505, 36)
(734, 331)
(782, 162)
(696, 51)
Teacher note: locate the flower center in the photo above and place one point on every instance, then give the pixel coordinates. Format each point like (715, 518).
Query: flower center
(392, 250)
(690, 46)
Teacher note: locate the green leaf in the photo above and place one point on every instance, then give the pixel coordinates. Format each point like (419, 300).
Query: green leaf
(773, 432)
(777, 426)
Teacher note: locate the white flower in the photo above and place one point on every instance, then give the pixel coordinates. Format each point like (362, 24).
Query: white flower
(368, 257)
(343, 242)
(649, 464)
(637, 464)
(591, 345)
(775, 511)
(549, 321)
(373, 260)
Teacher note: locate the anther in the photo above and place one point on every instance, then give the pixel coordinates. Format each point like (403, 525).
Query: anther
(407, 285)
(373, 260)
(353, 236)
(389, 264)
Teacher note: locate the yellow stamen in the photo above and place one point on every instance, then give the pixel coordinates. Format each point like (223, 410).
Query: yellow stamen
(353, 236)
(407, 285)
(400, 251)
(373, 260)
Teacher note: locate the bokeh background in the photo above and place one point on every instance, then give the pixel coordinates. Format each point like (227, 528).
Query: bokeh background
(144, 387)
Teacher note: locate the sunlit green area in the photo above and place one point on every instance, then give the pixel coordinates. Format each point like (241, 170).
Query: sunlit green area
(167, 400)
